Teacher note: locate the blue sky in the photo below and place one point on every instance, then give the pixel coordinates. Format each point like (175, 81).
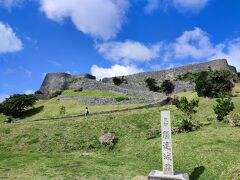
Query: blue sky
(111, 37)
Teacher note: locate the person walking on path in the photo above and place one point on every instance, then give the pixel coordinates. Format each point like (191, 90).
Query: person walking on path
(86, 111)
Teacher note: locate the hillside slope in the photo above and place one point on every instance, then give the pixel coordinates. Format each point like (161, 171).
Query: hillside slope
(69, 149)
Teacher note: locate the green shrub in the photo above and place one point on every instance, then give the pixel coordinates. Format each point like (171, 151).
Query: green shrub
(214, 83)
(17, 104)
(186, 125)
(38, 92)
(62, 110)
(121, 98)
(189, 76)
(152, 84)
(117, 81)
(1, 108)
(167, 87)
(188, 108)
(223, 108)
(78, 90)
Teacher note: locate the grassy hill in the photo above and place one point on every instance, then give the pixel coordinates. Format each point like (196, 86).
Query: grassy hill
(50, 108)
(69, 148)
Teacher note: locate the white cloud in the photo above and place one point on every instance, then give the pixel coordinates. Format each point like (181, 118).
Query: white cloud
(190, 5)
(230, 51)
(3, 97)
(128, 51)
(151, 6)
(99, 18)
(29, 91)
(195, 44)
(9, 42)
(181, 5)
(115, 70)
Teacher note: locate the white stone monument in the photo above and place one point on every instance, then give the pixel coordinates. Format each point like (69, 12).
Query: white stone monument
(167, 158)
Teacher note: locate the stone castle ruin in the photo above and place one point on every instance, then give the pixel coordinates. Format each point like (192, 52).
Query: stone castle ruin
(133, 85)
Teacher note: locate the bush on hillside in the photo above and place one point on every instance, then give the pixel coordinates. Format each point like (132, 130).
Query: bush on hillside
(118, 81)
(189, 76)
(167, 87)
(121, 98)
(214, 83)
(223, 108)
(17, 104)
(152, 84)
(62, 110)
(188, 108)
(0, 107)
(78, 90)
(38, 92)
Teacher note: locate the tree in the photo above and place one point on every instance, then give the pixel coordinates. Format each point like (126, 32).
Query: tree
(62, 110)
(17, 104)
(167, 87)
(223, 108)
(188, 108)
(0, 108)
(117, 81)
(152, 84)
(214, 83)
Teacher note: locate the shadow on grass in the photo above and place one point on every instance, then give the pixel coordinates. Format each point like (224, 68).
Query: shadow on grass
(31, 112)
(195, 175)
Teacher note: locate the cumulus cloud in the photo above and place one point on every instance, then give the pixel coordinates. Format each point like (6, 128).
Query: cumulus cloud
(128, 51)
(190, 5)
(99, 18)
(3, 97)
(115, 70)
(230, 50)
(196, 45)
(9, 42)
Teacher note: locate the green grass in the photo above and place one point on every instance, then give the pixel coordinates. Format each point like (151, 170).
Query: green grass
(69, 149)
(91, 93)
(2, 118)
(50, 108)
(236, 90)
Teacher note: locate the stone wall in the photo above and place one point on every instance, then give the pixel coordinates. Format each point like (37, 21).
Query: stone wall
(135, 85)
(88, 100)
(136, 81)
(61, 81)
(174, 72)
(54, 82)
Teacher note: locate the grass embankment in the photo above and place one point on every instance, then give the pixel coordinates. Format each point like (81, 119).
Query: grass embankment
(69, 149)
(236, 90)
(91, 93)
(50, 108)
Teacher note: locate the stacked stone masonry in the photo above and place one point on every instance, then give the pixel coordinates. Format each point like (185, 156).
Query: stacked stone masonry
(135, 85)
